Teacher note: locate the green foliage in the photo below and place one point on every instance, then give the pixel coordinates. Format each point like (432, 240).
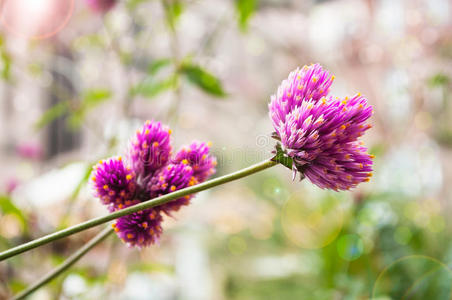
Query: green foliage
(438, 79)
(158, 64)
(7, 207)
(173, 10)
(90, 99)
(203, 79)
(245, 9)
(5, 59)
(150, 87)
(52, 114)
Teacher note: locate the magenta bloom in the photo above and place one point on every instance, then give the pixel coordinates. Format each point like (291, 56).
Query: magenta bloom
(172, 178)
(152, 173)
(101, 6)
(114, 183)
(320, 135)
(150, 149)
(308, 83)
(198, 157)
(140, 229)
(30, 151)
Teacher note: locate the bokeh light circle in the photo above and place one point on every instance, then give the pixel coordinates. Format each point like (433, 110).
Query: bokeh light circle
(36, 19)
(312, 224)
(415, 277)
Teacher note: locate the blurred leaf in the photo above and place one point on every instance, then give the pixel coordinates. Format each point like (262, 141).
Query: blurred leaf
(439, 79)
(16, 285)
(158, 64)
(282, 158)
(203, 79)
(8, 207)
(94, 97)
(152, 267)
(132, 4)
(173, 10)
(5, 60)
(245, 9)
(90, 99)
(52, 113)
(150, 88)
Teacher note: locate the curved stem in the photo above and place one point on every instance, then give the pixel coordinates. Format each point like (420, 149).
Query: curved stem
(66, 264)
(141, 206)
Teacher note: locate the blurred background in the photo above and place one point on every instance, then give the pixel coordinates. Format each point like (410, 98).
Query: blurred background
(78, 77)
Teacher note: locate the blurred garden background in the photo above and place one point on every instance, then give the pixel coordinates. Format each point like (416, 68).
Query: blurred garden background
(78, 77)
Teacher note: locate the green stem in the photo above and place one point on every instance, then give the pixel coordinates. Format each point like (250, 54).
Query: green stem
(141, 206)
(66, 264)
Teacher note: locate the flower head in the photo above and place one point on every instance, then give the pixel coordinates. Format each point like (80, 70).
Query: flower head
(140, 229)
(114, 183)
(150, 149)
(320, 135)
(172, 178)
(308, 83)
(198, 157)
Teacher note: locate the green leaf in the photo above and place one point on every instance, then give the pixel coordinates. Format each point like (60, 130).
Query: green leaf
(439, 79)
(173, 10)
(52, 113)
(158, 64)
(282, 158)
(94, 97)
(245, 9)
(203, 79)
(5, 59)
(7, 207)
(151, 88)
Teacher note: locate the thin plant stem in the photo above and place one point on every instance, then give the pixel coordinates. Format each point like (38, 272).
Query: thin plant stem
(65, 265)
(138, 207)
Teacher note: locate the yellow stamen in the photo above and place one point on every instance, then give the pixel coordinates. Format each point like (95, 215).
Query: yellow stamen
(128, 177)
(145, 225)
(170, 131)
(185, 162)
(105, 187)
(173, 188)
(155, 144)
(130, 235)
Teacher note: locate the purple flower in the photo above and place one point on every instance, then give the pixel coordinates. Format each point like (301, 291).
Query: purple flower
(101, 6)
(198, 157)
(320, 135)
(31, 151)
(140, 229)
(114, 183)
(307, 83)
(150, 149)
(152, 174)
(172, 178)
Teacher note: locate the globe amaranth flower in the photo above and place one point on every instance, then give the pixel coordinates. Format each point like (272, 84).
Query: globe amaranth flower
(198, 157)
(307, 83)
(114, 183)
(321, 135)
(152, 173)
(141, 228)
(150, 148)
(172, 178)
(101, 6)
